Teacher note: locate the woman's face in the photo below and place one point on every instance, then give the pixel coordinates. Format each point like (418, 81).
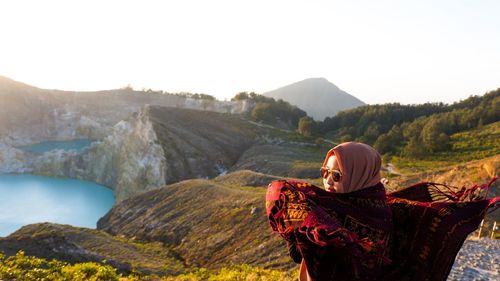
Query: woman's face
(328, 182)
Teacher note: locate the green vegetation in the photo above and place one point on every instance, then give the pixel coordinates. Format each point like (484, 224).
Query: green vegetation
(465, 146)
(414, 131)
(28, 268)
(237, 272)
(306, 126)
(270, 111)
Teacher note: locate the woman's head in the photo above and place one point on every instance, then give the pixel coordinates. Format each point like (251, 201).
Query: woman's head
(351, 166)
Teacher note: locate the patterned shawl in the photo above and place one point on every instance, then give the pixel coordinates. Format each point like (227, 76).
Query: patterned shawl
(411, 234)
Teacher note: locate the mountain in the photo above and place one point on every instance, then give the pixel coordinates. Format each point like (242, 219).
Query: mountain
(190, 183)
(317, 96)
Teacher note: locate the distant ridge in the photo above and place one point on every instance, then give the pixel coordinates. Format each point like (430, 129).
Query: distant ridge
(317, 96)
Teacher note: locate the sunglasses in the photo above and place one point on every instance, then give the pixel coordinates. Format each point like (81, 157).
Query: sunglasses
(336, 174)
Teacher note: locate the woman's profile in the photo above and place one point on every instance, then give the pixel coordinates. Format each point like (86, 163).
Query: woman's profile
(353, 230)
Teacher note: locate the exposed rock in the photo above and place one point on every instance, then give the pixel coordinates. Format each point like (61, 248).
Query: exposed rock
(30, 115)
(199, 144)
(130, 160)
(13, 160)
(129, 156)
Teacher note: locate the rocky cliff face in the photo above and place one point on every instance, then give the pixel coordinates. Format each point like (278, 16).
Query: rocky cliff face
(200, 144)
(129, 157)
(129, 160)
(13, 160)
(155, 146)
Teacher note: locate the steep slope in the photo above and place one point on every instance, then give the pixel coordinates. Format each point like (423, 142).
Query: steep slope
(210, 223)
(317, 96)
(200, 144)
(73, 244)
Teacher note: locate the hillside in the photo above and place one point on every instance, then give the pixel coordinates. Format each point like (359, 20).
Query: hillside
(475, 144)
(199, 144)
(29, 114)
(465, 174)
(197, 223)
(74, 245)
(139, 146)
(190, 183)
(209, 223)
(413, 131)
(317, 96)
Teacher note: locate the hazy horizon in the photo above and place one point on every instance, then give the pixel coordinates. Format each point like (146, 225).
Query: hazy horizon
(380, 52)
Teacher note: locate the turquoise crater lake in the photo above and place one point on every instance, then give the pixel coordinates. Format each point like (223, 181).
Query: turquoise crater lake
(79, 145)
(26, 199)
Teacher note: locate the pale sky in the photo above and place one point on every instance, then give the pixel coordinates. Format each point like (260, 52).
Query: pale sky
(378, 51)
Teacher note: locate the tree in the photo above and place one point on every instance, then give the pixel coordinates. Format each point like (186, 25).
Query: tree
(262, 113)
(240, 96)
(306, 126)
(383, 144)
(433, 136)
(414, 149)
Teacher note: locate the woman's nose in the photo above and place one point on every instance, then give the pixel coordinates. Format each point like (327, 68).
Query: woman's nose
(330, 180)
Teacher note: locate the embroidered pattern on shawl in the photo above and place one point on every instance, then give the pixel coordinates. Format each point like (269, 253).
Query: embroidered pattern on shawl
(411, 234)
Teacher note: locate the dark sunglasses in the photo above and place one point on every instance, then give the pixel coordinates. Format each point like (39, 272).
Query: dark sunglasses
(336, 174)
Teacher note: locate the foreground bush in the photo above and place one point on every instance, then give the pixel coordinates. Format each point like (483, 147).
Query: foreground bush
(26, 268)
(239, 272)
(21, 267)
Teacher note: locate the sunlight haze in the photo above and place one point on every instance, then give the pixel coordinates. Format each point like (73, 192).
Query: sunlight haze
(378, 51)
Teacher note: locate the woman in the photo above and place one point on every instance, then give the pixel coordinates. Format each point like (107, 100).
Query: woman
(352, 230)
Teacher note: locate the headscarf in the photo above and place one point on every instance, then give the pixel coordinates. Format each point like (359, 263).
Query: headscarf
(359, 164)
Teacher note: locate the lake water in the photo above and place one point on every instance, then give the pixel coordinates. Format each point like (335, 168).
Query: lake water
(42, 147)
(26, 199)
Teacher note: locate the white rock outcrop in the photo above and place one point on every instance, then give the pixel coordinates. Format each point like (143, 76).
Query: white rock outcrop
(129, 160)
(13, 160)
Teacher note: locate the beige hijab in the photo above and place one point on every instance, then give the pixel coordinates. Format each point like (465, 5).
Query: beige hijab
(359, 164)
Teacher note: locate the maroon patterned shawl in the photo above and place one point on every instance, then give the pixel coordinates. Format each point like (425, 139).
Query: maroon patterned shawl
(411, 234)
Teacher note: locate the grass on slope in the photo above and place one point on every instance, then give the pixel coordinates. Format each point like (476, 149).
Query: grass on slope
(465, 146)
(75, 244)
